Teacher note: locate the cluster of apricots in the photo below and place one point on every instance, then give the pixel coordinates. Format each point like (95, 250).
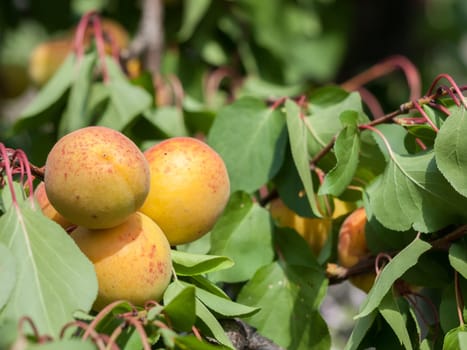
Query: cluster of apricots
(125, 208)
(352, 246)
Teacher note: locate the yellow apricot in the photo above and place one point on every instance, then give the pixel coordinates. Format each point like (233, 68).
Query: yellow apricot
(352, 247)
(314, 230)
(96, 177)
(189, 188)
(132, 260)
(47, 209)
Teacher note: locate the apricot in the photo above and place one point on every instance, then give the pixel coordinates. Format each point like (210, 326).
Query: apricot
(96, 177)
(47, 209)
(189, 188)
(314, 230)
(132, 260)
(352, 247)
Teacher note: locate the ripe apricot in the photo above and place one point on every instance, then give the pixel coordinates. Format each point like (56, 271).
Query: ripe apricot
(47, 209)
(96, 177)
(352, 247)
(189, 188)
(132, 260)
(314, 230)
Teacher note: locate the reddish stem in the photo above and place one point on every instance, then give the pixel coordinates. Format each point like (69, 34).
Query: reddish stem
(81, 33)
(424, 115)
(385, 67)
(6, 165)
(453, 84)
(371, 102)
(100, 43)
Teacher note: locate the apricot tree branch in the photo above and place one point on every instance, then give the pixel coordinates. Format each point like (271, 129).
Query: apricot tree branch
(149, 40)
(337, 274)
(404, 108)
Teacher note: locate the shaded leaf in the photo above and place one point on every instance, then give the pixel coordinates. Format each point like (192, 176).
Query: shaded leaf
(251, 139)
(299, 147)
(187, 264)
(346, 148)
(193, 13)
(359, 331)
(243, 227)
(390, 311)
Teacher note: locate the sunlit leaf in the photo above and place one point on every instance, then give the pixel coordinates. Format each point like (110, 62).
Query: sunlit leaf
(251, 139)
(7, 274)
(186, 264)
(53, 277)
(451, 150)
(179, 301)
(398, 265)
(412, 193)
(243, 233)
(289, 297)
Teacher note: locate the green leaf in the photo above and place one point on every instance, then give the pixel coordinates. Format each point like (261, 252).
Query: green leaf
(179, 301)
(76, 115)
(405, 259)
(462, 337)
(168, 119)
(412, 193)
(360, 329)
(390, 311)
(69, 344)
(326, 106)
(193, 12)
(346, 148)
(7, 274)
(290, 187)
(299, 148)
(187, 264)
(451, 339)
(458, 257)
(212, 324)
(251, 139)
(243, 227)
(451, 150)
(55, 88)
(127, 101)
(289, 297)
(54, 278)
(190, 342)
(224, 307)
